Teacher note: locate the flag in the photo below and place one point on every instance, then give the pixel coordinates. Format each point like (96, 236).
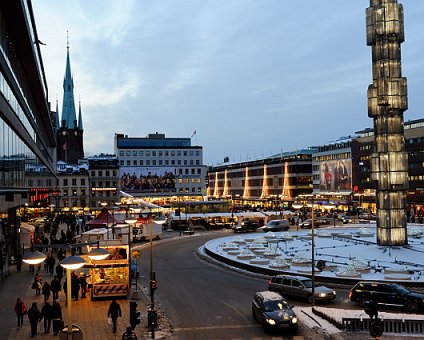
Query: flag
(193, 134)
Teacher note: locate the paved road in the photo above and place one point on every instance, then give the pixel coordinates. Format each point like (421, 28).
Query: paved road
(203, 301)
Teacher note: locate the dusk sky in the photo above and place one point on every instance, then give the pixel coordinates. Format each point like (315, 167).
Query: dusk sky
(251, 77)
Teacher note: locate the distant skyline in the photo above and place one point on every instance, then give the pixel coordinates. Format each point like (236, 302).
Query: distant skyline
(252, 78)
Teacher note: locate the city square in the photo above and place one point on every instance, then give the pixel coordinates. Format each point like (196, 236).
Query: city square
(191, 152)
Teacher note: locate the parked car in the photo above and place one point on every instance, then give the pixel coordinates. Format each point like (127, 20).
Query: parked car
(276, 225)
(306, 224)
(345, 219)
(272, 311)
(246, 226)
(300, 287)
(390, 294)
(323, 221)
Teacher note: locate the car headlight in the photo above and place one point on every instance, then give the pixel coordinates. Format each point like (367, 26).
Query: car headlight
(322, 295)
(334, 292)
(294, 319)
(270, 321)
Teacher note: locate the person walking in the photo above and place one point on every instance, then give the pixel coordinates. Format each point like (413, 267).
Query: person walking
(37, 284)
(46, 291)
(83, 283)
(55, 287)
(57, 317)
(20, 310)
(114, 312)
(34, 316)
(18, 262)
(46, 313)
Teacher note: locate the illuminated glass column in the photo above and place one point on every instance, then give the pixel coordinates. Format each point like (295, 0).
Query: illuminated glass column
(387, 100)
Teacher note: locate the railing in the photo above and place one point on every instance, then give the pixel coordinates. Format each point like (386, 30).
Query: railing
(389, 325)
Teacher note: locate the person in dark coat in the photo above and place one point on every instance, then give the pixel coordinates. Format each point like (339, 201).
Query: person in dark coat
(34, 316)
(59, 272)
(113, 312)
(55, 287)
(46, 313)
(18, 262)
(57, 317)
(46, 290)
(83, 283)
(75, 286)
(20, 310)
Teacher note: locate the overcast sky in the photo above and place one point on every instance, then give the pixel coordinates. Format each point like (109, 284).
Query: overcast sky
(251, 77)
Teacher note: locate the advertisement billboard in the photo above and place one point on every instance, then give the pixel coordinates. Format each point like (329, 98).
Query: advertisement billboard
(147, 179)
(336, 175)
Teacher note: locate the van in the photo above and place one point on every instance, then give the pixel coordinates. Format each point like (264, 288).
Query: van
(276, 225)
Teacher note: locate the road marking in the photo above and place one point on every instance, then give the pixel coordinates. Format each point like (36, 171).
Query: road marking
(214, 327)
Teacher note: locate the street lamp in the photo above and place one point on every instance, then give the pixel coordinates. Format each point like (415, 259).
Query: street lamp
(313, 252)
(152, 314)
(104, 205)
(135, 294)
(70, 263)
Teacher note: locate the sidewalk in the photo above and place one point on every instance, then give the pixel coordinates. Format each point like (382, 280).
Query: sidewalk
(90, 316)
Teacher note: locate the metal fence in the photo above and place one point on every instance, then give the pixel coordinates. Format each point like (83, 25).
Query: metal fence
(389, 325)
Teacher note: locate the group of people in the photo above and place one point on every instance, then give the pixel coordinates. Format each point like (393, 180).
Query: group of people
(50, 313)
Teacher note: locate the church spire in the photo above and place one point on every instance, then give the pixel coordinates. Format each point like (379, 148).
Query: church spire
(80, 117)
(69, 117)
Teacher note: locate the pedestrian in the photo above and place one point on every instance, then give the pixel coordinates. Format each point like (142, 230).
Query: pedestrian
(114, 312)
(75, 286)
(46, 313)
(83, 283)
(37, 284)
(46, 290)
(59, 272)
(34, 316)
(55, 287)
(20, 310)
(57, 317)
(18, 262)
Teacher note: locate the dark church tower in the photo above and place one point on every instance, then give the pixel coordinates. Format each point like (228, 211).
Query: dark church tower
(70, 131)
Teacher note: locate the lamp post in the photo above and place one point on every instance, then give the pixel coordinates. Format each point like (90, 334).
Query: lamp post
(70, 263)
(135, 294)
(152, 315)
(104, 205)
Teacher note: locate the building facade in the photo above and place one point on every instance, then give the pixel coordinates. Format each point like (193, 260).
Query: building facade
(158, 165)
(104, 181)
(28, 142)
(263, 182)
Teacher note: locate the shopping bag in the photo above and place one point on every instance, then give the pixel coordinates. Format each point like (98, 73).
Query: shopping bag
(109, 322)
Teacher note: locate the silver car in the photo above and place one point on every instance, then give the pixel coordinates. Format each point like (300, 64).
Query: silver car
(300, 287)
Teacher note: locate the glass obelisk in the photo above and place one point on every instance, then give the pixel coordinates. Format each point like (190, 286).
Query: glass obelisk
(387, 100)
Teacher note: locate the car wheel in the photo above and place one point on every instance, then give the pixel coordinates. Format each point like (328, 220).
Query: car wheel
(412, 306)
(362, 302)
(309, 299)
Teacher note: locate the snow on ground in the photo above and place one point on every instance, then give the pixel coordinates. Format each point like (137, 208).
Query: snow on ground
(349, 252)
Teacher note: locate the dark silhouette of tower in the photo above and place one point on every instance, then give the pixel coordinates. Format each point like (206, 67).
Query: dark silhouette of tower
(387, 100)
(70, 146)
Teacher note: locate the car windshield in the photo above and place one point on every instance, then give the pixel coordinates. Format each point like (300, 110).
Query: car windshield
(401, 289)
(272, 222)
(307, 283)
(272, 305)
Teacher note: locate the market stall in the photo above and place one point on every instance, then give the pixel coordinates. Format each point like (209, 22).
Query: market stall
(111, 277)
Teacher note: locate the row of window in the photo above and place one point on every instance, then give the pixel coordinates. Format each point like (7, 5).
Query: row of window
(65, 182)
(159, 153)
(333, 156)
(99, 173)
(159, 162)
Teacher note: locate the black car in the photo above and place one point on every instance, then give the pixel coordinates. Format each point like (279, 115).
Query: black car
(272, 311)
(307, 224)
(389, 294)
(246, 226)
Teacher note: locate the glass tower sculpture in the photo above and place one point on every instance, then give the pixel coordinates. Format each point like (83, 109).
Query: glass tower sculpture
(387, 100)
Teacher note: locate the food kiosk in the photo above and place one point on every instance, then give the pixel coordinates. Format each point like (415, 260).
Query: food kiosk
(111, 277)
